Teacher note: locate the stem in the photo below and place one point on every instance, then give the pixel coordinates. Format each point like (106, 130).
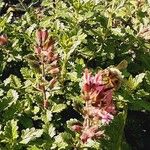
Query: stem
(110, 19)
(20, 1)
(63, 72)
(120, 139)
(43, 68)
(87, 117)
(43, 76)
(44, 94)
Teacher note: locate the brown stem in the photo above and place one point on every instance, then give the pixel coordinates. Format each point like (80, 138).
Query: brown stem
(44, 94)
(43, 76)
(87, 117)
(43, 68)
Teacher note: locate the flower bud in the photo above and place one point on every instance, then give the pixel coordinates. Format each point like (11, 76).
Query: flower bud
(41, 87)
(55, 57)
(76, 128)
(54, 63)
(88, 133)
(37, 50)
(50, 56)
(86, 88)
(54, 71)
(49, 45)
(52, 82)
(3, 40)
(99, 134)
(39, 37)
(110, 109)
(106, 117)
(44, 36)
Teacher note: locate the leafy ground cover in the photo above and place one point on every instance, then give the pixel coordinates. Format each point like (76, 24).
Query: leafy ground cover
(74, 74)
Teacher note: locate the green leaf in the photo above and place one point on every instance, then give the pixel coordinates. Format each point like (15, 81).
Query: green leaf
(71, 122)
(4, 102)
(11, 131)
(147, 77)
(13, 81)
(26, 121)
(26, 73)
(142, 93)
(13, 94)
(36, 110)
(56, 108)
(51, 130)
(46, 117)
(92, 145)
(13, 109)
(81, 36)
(34, 148)
(114, 132)
(33, 62)
(62, 141)
(1, 92)
(133, 83)
(30, 29)
(30, 134)
(73, 76)
(140, 105)
(139, 78)
(1, 4)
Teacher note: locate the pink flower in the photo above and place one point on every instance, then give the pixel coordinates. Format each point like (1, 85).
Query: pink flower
(97, 91)
(107, 99)
(90, 133)
(99, 113)
(41, 37)
(44, 35)
(37, 50)
(76, 128)
(54, 71)
(49, 45)
(87, 77)
(54, 63)
(106, 117)
(97, 79)
(110, 109)
(94, 96)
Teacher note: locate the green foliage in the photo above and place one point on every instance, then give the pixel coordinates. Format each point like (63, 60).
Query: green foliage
(56, 108)
(10, 134)
(30, 134)
(88, 33)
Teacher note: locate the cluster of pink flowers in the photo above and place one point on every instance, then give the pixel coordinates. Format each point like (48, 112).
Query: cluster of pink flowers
(48, 58)
(45, 51)
(99, 109)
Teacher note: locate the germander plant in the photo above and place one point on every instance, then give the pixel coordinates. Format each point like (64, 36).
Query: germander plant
(99, 107)
(47, 100)
(48, 62)
(97, 91)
